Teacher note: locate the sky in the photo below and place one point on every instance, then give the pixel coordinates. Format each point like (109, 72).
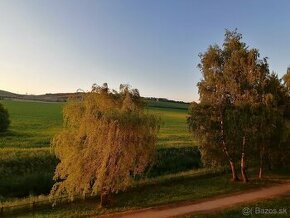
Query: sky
(52, 46)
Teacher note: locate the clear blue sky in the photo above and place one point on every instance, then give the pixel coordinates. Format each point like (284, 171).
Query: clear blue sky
(60, 46)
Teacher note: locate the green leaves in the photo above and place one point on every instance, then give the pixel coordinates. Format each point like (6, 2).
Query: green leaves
(239, 101)
(107, 141)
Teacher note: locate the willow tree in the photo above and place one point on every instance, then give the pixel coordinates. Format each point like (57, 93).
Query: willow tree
(107, 140)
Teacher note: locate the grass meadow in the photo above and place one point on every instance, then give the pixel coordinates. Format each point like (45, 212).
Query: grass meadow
(27, 162)
(27, 165)
(34, 124)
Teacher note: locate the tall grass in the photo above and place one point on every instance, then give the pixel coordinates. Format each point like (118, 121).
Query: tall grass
(26, 172)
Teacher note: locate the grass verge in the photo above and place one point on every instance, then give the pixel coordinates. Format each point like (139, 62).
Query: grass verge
(278, 208)
(189, 186)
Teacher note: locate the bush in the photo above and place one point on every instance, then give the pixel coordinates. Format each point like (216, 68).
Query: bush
(4, 119)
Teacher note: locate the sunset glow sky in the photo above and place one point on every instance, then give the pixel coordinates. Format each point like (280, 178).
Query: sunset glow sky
(53, 46)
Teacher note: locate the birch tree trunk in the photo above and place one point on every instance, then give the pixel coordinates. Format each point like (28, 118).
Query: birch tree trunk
(243, 162)
(225, 149)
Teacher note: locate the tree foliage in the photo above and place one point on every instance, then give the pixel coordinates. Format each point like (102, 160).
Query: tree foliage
(286, 78)
(108, 139)
(4, 119)
(240, 101)
(274, 122)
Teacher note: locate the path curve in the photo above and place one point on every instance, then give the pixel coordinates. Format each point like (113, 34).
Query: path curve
(204, 206)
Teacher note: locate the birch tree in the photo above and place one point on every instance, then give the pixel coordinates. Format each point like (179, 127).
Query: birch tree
(233, 77)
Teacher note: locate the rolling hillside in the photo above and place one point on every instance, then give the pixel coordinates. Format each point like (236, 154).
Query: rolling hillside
(62, 97)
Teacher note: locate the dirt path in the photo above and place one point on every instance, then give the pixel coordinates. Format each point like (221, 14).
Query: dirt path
(207, 205)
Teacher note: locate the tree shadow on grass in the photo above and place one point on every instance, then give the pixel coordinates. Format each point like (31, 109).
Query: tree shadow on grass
(12, 133)
(174, 160)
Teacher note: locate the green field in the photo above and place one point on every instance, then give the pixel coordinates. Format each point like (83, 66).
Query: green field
(27, 163)
(189, 186)
(34, 124)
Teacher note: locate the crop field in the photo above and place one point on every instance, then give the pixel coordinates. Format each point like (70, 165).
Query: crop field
(27, 162)
(34, 124)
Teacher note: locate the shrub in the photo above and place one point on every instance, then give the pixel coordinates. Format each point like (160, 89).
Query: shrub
(4, 119)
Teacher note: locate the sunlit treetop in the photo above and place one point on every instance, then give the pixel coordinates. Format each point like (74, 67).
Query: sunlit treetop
(107, 140)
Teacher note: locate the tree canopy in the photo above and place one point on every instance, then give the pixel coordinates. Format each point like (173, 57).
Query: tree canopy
(108, 139)
(239, 101)
(286, 78)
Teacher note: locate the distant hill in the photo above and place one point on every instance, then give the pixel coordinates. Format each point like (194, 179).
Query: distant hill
(62, 97)
(5, 94)
(58, 97)
(165, 103)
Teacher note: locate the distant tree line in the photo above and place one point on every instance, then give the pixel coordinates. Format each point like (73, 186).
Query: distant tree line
(243, 113)
(164, 100)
